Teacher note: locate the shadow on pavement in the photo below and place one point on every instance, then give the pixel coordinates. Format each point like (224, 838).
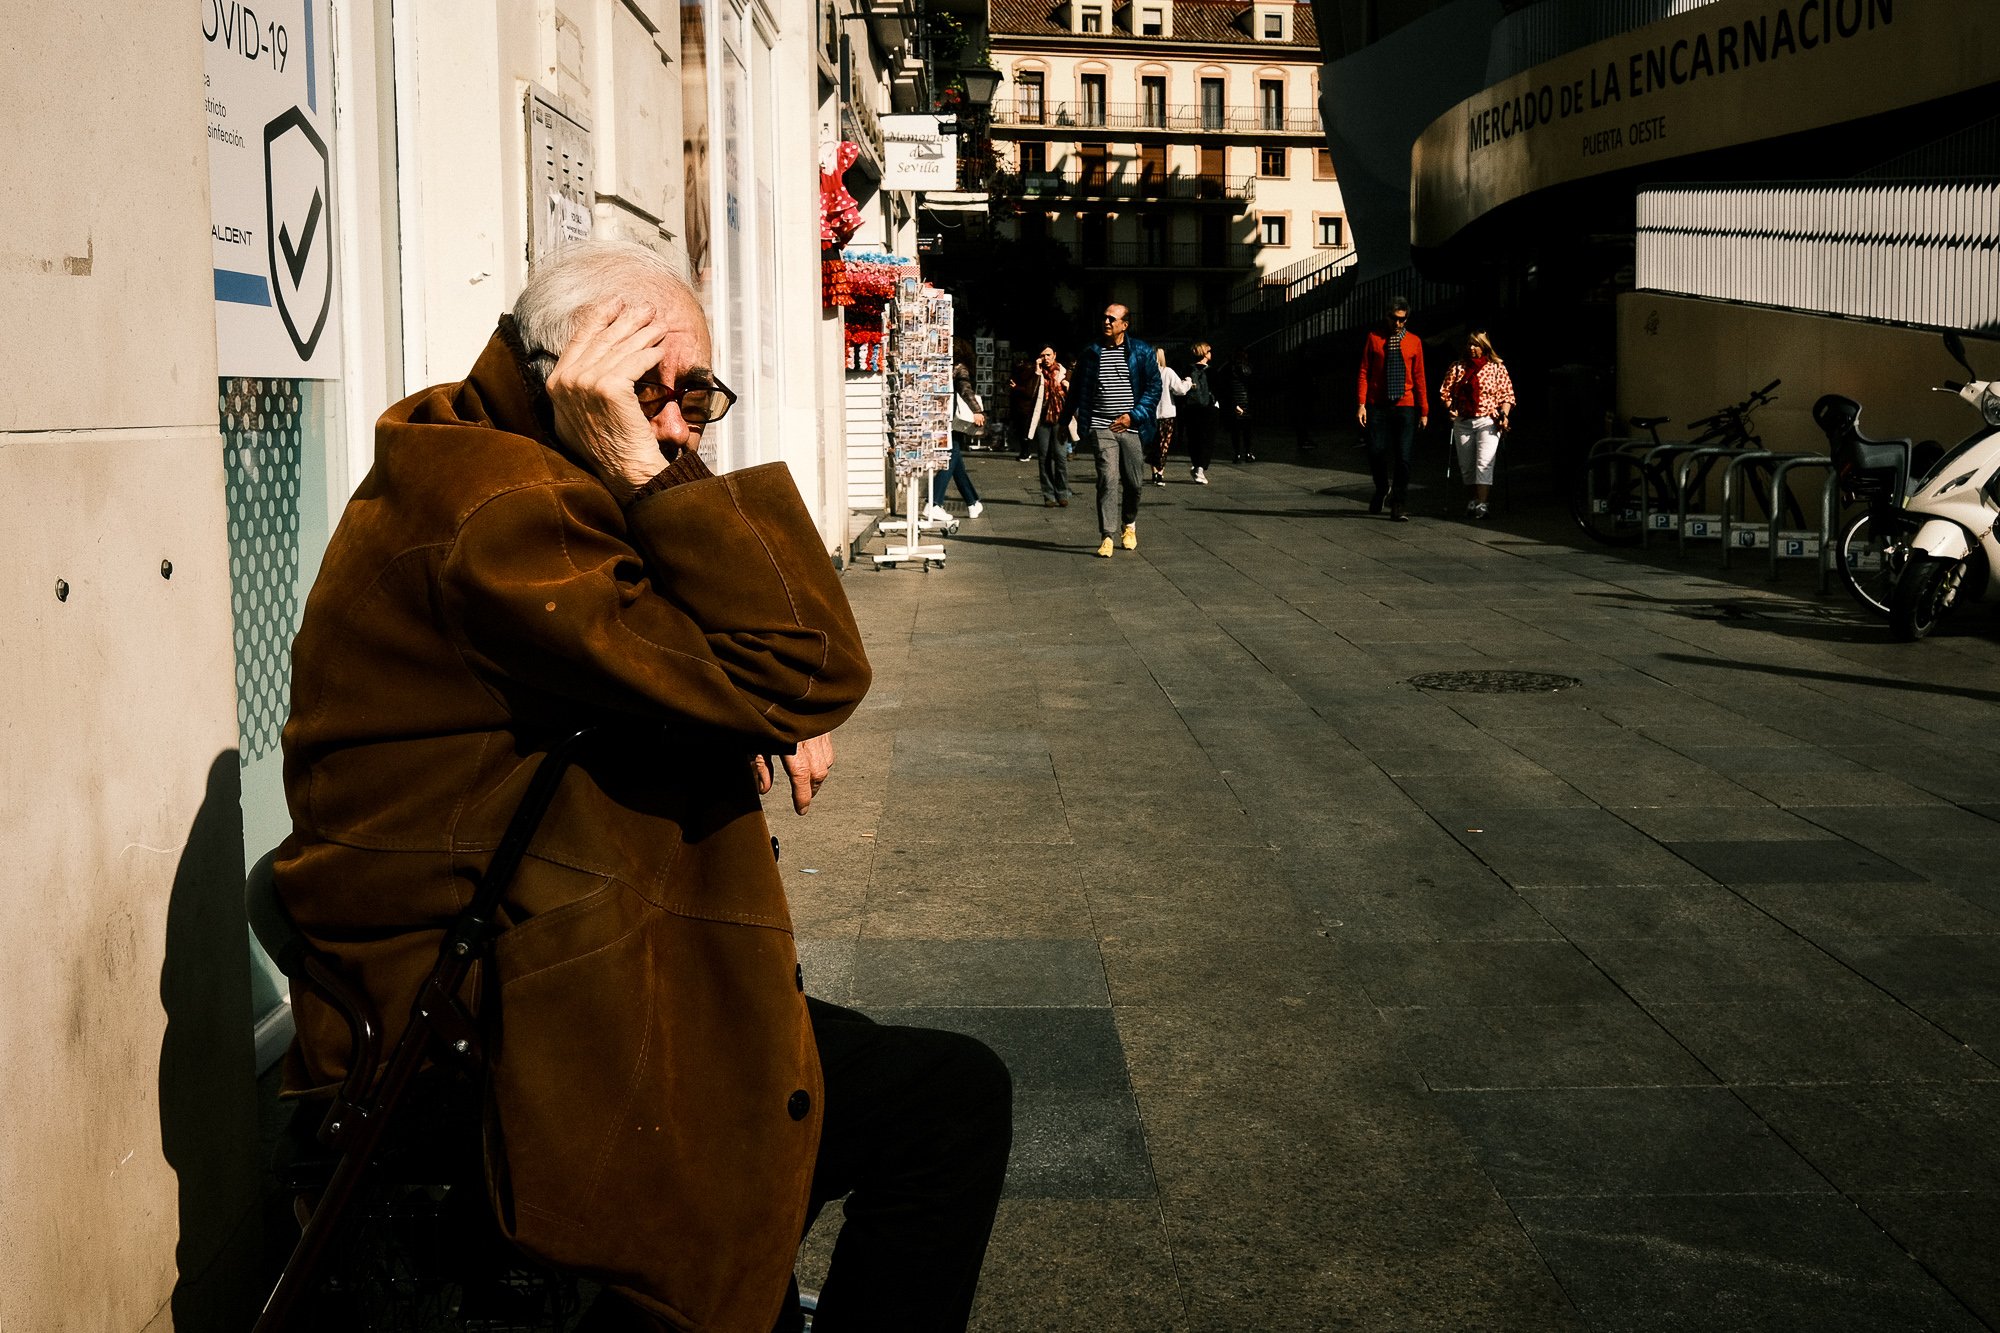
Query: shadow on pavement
(1834, 677)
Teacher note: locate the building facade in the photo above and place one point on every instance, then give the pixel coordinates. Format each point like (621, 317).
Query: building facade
(1172, 146)
(1658, 205)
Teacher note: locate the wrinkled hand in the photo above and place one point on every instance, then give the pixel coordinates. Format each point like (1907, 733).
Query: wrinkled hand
(597, 413)
(807, 768)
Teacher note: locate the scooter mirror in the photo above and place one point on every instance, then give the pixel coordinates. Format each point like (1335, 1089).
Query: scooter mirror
(1956, 346)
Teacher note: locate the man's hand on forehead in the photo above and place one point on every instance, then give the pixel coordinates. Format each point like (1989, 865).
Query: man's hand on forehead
(591, 388)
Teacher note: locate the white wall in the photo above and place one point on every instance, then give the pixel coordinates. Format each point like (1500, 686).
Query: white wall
(128, 1147)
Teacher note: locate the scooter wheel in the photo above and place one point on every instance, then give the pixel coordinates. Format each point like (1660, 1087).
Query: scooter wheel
(1924, 596)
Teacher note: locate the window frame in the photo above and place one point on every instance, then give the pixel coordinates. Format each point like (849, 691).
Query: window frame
(1339, 220)
(1323, 155)
(1270, 110)
(1087, 82)
(1284, 221)
(1220, 82)
(1273, 19)
(1024, 80)
(1284, 162)
(1090, 19)
(1153, 22)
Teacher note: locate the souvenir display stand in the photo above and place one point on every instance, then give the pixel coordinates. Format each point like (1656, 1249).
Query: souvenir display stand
(918, 366)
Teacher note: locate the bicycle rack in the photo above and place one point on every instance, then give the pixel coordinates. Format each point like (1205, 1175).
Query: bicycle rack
(1647, 521)
(1791, 545)
(1749, 538)
(1682, 518)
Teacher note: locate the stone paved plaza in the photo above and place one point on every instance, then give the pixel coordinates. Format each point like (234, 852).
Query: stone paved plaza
(1667, 1002)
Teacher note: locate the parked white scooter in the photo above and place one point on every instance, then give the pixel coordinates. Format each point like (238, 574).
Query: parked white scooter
(1954, 556)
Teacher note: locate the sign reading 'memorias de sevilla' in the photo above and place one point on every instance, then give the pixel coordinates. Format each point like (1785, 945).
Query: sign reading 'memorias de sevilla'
(1725, 74)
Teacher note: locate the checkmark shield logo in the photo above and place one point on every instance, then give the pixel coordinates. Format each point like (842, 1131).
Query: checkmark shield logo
(297, 231)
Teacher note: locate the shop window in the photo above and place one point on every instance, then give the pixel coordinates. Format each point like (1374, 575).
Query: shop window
(1331, 231)
(1093, 99)
(1153, 100)
(1152, 22)
(1271, 103)
(1029, 97)
(1211, 104)
(1271, 228)
(1271, 163)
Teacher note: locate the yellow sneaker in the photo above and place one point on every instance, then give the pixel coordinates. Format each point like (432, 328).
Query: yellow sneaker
(1104, 548)
(1131, 538)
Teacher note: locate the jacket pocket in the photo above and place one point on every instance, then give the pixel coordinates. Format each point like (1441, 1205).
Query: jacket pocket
(571, 1034)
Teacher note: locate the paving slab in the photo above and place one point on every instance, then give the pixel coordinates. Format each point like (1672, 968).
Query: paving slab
(1667, 1001)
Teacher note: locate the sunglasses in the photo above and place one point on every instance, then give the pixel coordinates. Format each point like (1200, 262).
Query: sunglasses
(702, 402)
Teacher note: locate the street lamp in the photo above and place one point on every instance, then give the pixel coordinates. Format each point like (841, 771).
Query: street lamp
(980, 85)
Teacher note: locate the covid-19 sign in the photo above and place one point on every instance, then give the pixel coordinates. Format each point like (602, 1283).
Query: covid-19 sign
(267, 97)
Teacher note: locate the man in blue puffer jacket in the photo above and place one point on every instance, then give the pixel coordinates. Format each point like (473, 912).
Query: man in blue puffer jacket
(1114, 403)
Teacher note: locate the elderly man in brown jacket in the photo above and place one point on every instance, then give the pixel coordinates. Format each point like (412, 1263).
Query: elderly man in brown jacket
(539, 547)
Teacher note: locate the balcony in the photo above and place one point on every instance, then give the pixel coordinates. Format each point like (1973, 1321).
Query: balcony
(1123, 182)
(1232, 256)
(1153, 116)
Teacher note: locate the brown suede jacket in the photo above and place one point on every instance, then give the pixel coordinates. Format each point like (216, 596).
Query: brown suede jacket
(655, 1089)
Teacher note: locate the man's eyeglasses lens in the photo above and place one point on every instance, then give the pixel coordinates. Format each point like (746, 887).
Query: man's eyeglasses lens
(701, 402)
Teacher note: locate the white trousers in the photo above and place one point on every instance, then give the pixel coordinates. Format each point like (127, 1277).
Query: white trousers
(1477, 442)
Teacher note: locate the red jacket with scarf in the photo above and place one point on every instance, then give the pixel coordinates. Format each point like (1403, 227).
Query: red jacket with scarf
(1373, 387)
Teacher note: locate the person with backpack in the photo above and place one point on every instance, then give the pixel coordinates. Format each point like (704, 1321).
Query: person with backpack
(1198, 411)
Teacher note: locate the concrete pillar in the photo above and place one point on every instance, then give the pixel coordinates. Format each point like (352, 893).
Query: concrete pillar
(128, 1153)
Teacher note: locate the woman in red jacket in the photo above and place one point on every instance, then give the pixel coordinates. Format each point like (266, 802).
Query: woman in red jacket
(1392, 410)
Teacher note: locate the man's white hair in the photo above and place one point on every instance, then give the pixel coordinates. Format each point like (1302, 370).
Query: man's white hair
(567, 284)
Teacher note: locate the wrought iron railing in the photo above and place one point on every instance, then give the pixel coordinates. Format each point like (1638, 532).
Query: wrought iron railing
(1167, 254)
(1123, 181)
(1923, 254)
(1018, 113)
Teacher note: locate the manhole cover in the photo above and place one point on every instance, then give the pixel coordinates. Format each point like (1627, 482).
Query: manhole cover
(1494, 682)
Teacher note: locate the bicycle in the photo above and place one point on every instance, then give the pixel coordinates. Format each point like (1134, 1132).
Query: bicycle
(1625, 478)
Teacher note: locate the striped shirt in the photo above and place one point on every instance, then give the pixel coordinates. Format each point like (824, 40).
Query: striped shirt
(1114, 395)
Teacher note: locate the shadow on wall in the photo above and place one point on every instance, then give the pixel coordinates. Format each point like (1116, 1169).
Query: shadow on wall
(208, 1109)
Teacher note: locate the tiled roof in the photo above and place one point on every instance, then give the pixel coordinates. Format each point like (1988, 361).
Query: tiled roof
(1219, 22)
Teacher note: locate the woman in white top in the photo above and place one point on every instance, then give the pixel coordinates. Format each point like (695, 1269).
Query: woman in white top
(1171, 384)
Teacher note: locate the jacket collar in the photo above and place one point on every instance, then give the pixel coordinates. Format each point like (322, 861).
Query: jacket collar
(509, 396)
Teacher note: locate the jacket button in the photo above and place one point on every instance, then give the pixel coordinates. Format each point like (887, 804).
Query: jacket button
(801, 1102)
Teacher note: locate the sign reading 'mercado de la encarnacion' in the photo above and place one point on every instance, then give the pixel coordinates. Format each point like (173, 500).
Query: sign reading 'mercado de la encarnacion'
(1729, 73)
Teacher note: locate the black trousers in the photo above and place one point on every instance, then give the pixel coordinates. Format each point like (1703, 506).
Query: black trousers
(1197, 432)
(1392, 442)
(915, 1135)
(917, 1128)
